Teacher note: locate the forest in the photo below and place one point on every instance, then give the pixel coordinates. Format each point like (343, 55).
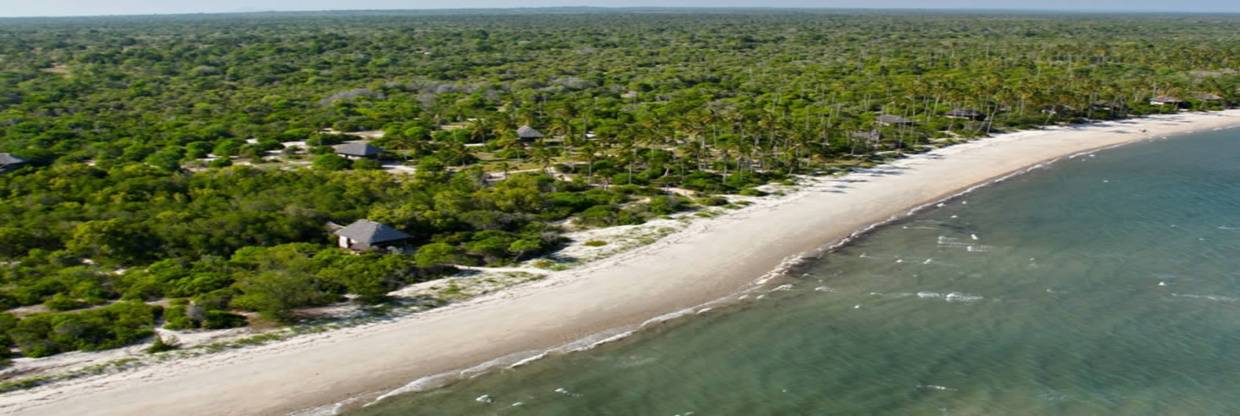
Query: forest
(181, 171)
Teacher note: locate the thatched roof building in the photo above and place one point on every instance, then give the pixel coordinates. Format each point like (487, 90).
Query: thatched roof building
(892, 120)
(356, 150)
(1205, 96)
(9, 162)
(871, 135)
(365, 235)
(528, 133)
(965, 113)
(1166, 100)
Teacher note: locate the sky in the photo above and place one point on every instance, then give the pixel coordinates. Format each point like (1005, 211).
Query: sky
(13, 8)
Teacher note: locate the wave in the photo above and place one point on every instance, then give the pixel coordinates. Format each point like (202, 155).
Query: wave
(1212, 298)
(950, 296)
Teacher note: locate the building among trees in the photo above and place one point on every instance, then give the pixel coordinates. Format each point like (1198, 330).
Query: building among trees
(1208, 97)
(965, 114)
(365, 235)
(528, 133)
(357, 150)
(891, 120)
(867, 136)
(1167, 100)
(9, 162)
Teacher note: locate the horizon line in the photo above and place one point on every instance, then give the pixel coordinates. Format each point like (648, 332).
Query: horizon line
(482, 10)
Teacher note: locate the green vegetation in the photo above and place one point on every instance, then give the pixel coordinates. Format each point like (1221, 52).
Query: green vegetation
(163, 166)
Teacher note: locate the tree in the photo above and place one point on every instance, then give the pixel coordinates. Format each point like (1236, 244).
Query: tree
(112, 241)
(522, 247)
(275, 293)
(332, 162)
(437, 254)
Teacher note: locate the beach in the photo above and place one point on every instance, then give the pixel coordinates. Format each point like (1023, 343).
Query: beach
(713, 259)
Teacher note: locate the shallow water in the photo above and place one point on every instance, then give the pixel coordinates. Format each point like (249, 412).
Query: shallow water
(1104, 284)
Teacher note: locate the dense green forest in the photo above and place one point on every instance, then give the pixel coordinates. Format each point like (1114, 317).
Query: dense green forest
(181, 174)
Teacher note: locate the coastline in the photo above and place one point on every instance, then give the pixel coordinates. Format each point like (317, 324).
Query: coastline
(711, 260)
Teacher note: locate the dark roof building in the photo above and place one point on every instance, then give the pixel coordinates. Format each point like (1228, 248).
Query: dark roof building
(357, 150)
(9, 162)
(890, 120)
(528, 133)
(365, 235)
(965, 113)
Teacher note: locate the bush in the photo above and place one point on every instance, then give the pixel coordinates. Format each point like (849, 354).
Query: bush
(274, 294)
(112, 326)
(331, 162)
(177, 317)
(221, 162)
(223, 320)
(663, 205)
(366, 164)
(323, 139)
(607, 215)
(752, 192)
(437, 254)
(712, 201)
(63, 302)
(161, 346)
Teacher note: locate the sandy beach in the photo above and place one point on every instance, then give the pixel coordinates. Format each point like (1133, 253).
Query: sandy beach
(712, 259)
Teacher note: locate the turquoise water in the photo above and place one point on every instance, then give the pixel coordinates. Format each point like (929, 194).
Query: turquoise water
(1105, 284)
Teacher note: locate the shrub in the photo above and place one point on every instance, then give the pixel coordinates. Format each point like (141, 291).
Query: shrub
(63, 302)
(177, 317)
(160, 345)
(437, 254)
(112, 326)
(275, 293)
(331, 162)
(608, 215)
(366, 164)
(223, 320)
(663, 205)
(752, 192)
(712, 201)
(221, 162)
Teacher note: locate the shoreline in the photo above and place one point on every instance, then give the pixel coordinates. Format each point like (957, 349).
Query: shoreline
(712, 260)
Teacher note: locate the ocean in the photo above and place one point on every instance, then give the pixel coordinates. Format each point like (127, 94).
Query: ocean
(1108, 283)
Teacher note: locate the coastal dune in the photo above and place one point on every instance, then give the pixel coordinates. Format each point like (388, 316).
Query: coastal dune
(711, 259)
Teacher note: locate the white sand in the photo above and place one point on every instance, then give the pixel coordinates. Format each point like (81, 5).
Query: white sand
(709, 260)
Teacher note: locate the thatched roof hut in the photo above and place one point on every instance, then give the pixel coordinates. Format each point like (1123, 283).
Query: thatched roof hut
(356, 150)
(1166, 100)
(1057, 109)
(892, 120)
(1205, 96)
(871, 135)
(364, 235)
(9, 162)
(528, 133)
(965, 113)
